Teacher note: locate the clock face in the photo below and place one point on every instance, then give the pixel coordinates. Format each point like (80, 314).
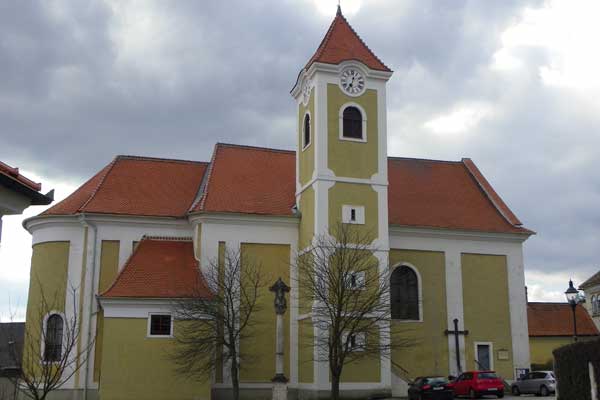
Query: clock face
(352, 81)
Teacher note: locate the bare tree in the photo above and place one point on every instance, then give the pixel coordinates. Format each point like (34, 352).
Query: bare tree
(51, 352)
(340, 277)
(213, 325)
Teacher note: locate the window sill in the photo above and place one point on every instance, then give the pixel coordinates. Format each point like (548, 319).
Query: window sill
(349, 139)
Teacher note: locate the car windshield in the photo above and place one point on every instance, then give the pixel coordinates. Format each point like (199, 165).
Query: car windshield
(488, 375)
(435, 380)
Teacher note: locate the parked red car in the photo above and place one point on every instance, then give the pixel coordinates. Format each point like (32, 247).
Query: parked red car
(478, 383)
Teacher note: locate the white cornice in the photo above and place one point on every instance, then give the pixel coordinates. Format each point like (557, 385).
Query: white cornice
(62, 220)
(245, 219)
(398, 230)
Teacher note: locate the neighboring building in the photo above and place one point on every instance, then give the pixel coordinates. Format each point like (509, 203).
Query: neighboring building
(551, 326)
(18, 192)
(11, 348)
(591, 289)
(139, 229)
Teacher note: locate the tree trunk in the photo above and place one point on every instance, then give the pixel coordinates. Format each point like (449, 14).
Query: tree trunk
(235, 379)
(335, 386)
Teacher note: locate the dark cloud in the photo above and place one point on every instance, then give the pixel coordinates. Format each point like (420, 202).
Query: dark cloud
(83, 81)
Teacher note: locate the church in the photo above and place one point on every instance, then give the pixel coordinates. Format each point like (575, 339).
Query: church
(130, 238)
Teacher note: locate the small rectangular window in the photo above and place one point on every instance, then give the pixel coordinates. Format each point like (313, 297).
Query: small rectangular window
(355, 341)
(353, 214)
(160, 325)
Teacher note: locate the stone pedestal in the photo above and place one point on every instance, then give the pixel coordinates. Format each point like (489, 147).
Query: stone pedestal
(279, 391)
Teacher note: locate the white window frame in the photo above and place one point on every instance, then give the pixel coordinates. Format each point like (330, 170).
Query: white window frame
(45, 333)
(359, 212)
(364, 123)
(310, 122)
(360, 337)
(419, 286)
(149, 335)
(492, 355)
(360, 280)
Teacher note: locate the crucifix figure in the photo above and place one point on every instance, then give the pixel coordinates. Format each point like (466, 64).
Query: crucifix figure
(279, 380)
(456, 333)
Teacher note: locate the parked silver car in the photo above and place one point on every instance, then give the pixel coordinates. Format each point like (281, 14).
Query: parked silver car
(537, 382)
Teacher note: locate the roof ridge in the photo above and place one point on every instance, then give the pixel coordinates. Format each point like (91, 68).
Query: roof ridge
(148, 158)
(246, 146)
(208, 175)
(100, 183)
(397, 158)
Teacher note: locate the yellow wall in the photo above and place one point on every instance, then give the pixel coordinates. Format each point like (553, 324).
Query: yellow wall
(48, 284)
(428, 346)
(350, 158)
(486, 308)
(357, 195)
(307, 222)
(363, 370)
(136, 367)
(307, 156)
(541, 347)
(305, 351)
(257, 352)
(109, 268)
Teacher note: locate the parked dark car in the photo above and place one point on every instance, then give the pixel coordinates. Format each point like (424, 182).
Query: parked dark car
(475, 384)
(542, 383)
(430, 388)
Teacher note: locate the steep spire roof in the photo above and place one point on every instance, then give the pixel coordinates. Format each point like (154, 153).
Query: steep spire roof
(342, 43)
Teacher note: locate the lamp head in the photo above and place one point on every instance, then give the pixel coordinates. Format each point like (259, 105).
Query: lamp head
(572, 294)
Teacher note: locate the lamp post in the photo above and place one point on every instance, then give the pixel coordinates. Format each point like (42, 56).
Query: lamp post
(572, 296)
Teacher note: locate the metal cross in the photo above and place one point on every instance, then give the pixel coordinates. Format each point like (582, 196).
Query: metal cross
(456, 333)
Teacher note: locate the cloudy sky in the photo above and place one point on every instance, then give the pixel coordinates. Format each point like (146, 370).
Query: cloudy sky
(513, 84)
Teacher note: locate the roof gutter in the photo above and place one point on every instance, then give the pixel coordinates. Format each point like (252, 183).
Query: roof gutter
(86, 223)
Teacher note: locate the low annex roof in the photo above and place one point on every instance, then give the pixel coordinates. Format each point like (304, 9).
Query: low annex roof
(11, 177)
(262, 181)
(556, 319)
(341, 43)
(160, 268)
(141, 186)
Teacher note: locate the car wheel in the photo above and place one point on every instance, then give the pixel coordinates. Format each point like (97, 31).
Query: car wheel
(515, 391)
(472, 394)
(500, 395)
(544, 391)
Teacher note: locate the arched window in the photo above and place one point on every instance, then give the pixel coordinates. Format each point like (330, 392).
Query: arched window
(594, 306)
(597, 304)
(352, 123)
(405, 293)
(53, 338)
(306, 131)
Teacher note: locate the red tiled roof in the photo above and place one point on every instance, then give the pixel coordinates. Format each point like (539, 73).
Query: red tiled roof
(342, 43)
(556, 319)
(159, 268)
(12, 178)
(252, 180)
(444, 194)
(137, 186)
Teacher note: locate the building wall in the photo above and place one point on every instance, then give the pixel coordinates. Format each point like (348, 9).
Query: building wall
(542, 347)
(355, 195)
(486, 308)
(306, 156)
(257, 351)
(47, 293)
(351, 158)
(423, 347)
(137, 367)
(307, 222)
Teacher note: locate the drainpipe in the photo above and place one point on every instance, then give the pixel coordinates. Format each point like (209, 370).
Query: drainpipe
(86, 224)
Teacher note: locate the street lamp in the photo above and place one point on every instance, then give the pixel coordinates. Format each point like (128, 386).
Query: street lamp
(572, 296)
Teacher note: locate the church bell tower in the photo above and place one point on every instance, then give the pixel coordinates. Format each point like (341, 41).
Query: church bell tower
(341, 159)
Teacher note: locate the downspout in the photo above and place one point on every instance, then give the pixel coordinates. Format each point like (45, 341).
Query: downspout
(87, 223)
